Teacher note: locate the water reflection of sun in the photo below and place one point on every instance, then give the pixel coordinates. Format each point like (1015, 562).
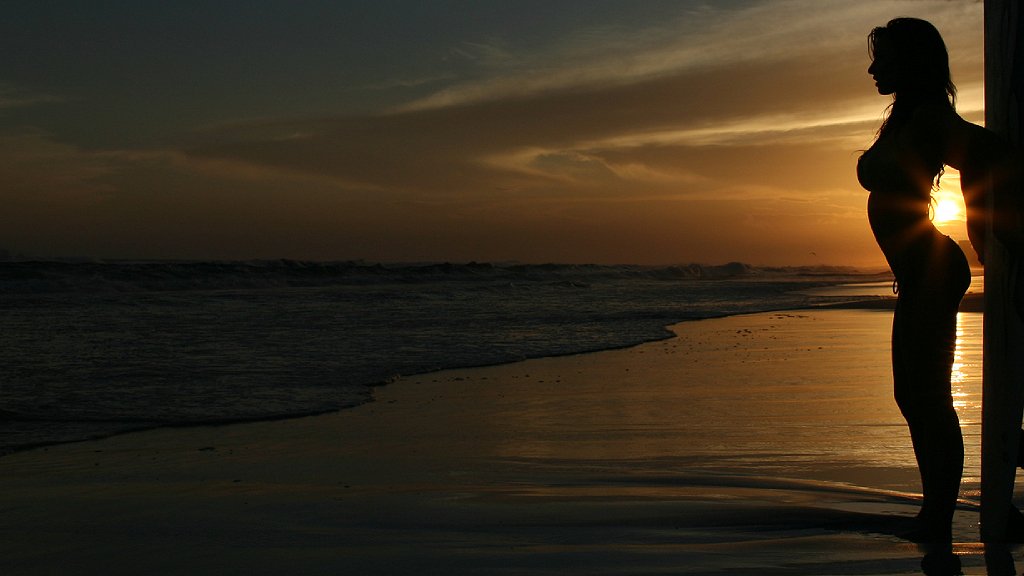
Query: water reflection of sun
(960, 374)
(966, 388)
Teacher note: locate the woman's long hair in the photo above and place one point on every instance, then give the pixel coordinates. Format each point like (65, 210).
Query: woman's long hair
(922, 63)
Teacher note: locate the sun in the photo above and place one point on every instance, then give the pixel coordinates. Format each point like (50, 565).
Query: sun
(948, 201)
(947, 209)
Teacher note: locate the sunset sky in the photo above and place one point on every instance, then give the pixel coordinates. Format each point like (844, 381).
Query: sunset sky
(600, 131)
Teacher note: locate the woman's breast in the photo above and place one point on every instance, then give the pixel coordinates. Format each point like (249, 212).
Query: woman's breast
(876, 175)
(889, 168)
(900, 193)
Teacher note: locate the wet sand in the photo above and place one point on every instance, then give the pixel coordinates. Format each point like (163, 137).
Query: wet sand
(759, 444)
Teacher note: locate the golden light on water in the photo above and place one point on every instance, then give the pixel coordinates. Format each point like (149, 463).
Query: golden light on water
(965, 385)
(966, 377)
(959, 376)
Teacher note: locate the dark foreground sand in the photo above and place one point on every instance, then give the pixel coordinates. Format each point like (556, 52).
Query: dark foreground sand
(761, 444)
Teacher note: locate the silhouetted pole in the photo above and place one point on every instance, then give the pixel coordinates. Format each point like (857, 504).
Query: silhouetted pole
(1002, 375)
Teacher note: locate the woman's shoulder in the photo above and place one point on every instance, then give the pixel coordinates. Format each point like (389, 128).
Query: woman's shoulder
(935, 116)
(937, 127)
(940, 127)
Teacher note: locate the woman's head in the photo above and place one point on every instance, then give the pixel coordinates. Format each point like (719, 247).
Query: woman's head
(909, 59)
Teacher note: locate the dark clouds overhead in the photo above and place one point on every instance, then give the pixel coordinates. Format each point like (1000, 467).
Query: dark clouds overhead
(597, 131)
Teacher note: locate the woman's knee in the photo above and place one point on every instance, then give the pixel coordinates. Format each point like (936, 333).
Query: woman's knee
(926, 409)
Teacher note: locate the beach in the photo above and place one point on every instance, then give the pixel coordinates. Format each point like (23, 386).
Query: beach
(754, 444)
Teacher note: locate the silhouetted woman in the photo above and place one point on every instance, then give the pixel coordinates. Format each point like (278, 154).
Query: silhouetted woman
(921, 133)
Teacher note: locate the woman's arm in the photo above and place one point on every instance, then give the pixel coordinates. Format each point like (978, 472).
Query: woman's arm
(987, 165)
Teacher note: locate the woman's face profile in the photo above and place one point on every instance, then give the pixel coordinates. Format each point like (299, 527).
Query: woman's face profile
(883, 68)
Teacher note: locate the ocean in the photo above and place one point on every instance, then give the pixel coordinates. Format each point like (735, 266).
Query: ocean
(91, 349)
